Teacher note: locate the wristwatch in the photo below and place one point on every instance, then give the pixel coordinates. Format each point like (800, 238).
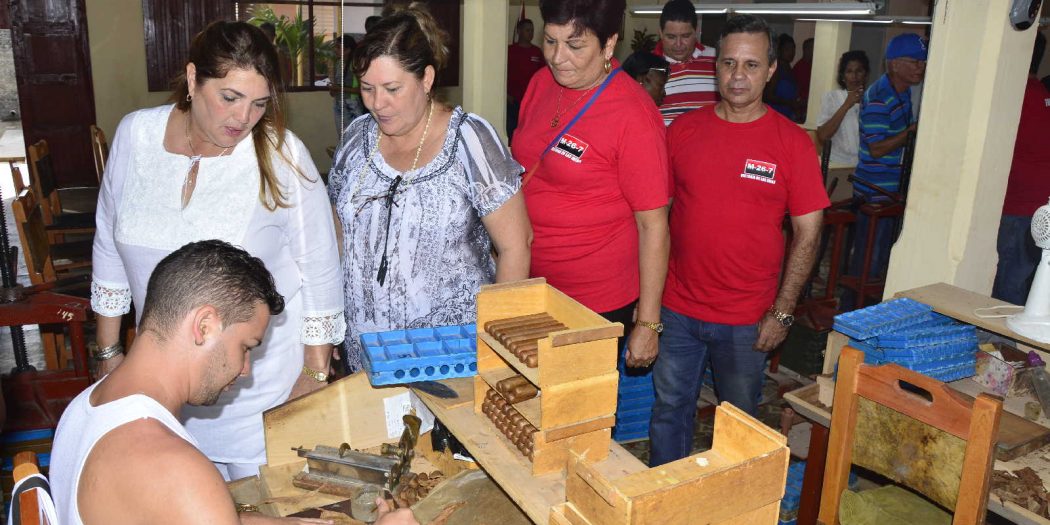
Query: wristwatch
(316, 375)
(785, 319)
(656, 327)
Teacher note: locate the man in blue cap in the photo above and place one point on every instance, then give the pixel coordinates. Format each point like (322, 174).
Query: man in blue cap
(885, 121)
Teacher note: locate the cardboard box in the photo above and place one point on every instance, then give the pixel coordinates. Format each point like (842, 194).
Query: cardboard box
(1006, 376)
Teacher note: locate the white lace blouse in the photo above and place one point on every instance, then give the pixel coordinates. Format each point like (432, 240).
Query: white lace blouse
(140, 220)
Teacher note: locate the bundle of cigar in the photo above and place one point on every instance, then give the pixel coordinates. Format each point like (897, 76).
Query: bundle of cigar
(521, 334)
(517, 389)
(517, 429)
(417, 487)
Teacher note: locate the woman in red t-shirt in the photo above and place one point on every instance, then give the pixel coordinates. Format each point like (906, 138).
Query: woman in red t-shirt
(598, 197)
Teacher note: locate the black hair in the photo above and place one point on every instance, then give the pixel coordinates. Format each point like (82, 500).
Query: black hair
(409, 35)
(640, 62)
(212, 273)
(1037, 52)
(784, 39)
(678, 11)
(371, 22)
(851, 56)
(748, 24)
(604, 18)
(522, 22)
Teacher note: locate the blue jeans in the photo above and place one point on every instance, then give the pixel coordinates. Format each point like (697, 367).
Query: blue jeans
(1018, 257)
(686, 347)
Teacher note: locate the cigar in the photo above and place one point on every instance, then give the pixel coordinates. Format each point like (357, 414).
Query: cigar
(532, 360)
(522, 393)
(496, 324)
(518, 333)
(510, 383)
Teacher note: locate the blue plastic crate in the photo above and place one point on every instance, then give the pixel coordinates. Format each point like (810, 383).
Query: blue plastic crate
(882, 318)
(636, 403)
(421, 354)
(927, 334)
(631, 431)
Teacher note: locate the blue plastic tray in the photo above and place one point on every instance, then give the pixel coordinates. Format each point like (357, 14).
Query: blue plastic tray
(421, 354)
(631, 431)
(926, 335)
(882, 318)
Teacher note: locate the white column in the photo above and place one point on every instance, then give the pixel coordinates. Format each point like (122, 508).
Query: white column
(975, 80)
(485, 60)
(830, 41)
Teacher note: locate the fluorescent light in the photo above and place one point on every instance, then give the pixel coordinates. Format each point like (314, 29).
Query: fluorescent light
(849, 20)
(831, 8)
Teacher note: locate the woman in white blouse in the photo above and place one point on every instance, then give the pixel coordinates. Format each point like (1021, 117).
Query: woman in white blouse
(219, 164)
(840, 109)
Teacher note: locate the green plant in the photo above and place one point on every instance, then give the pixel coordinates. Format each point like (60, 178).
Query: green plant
(643, 40)
(293, 39)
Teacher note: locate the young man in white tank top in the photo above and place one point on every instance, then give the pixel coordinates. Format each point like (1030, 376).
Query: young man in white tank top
(120, 455)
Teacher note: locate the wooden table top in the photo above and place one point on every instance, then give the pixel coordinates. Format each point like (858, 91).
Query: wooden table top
(12, 146)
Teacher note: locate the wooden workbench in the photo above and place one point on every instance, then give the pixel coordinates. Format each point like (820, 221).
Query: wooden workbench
(958, 304)
(534, 494)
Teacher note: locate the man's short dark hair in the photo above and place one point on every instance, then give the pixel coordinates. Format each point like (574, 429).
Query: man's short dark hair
(678, 11)
(521, 23)
(207, 273)
(371, 22)
(748, 24)
(1037, 52)
(640, 62)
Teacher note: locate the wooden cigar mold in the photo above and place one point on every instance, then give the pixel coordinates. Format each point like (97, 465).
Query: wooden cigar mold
(509, 422)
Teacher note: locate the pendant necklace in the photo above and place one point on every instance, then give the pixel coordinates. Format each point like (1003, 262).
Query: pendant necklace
(558, 111)
(190, 182)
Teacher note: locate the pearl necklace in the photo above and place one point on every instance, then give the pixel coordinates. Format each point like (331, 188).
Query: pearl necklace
(379, 138)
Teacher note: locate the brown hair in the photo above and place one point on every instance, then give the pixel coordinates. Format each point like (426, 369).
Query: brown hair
(410, 35)
(225, 46)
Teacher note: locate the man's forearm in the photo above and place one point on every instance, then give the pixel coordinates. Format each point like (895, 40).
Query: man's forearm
(886, 146)
(800, 259)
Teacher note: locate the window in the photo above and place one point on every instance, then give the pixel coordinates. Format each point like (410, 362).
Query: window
(307, 34)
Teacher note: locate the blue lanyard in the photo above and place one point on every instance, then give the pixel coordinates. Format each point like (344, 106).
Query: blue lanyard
(581, 112)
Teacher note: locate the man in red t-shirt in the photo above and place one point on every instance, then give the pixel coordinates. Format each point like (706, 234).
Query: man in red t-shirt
(1028, 189)
(523, 60)
(737, 168)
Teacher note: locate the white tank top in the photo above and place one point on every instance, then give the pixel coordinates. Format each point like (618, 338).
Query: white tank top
(81, 427)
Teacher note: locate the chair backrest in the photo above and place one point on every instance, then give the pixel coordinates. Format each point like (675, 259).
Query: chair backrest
(42, 180)
(29, 218)
(34, 503)
(914, 430)
(100, 148)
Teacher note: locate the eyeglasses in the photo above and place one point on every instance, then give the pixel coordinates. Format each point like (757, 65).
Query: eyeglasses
(661, 70)
(912, 61)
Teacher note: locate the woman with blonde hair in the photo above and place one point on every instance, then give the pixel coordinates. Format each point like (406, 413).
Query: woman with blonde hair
(219, 164)
(425, 192)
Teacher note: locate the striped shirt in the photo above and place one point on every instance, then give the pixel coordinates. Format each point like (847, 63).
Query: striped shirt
(692, 84)
(883, 113)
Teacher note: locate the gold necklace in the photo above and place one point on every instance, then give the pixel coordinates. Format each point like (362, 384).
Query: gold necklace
(190, 182)
(558, 111)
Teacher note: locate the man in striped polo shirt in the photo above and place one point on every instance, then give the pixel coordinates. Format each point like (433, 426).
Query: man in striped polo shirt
(692, 82)
(885, 121)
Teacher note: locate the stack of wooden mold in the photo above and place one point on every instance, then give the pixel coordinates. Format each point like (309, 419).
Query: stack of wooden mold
(533, 337)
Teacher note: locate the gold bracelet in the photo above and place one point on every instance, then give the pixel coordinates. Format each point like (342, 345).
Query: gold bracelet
(316, 375)
(246, 507)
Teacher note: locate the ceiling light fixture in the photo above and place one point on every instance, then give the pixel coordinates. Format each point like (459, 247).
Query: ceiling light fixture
(831, 8)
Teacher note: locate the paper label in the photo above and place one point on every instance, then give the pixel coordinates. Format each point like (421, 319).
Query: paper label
(396, 407)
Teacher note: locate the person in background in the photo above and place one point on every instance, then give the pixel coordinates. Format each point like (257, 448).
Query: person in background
(523, 60)
(782, 92)
(1027, 189)
(597, 195)
(840, 109)
(424, 192)
(344, 88)
(803, 70)
(738, 168)
(650, 71)
(219, 164)
(691, 83)
(119, 448)
(886, 119)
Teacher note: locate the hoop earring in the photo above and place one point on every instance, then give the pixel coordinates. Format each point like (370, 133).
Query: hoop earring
(189, 97)
(608, 66)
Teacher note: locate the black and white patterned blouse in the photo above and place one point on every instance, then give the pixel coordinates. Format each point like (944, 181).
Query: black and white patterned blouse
(438, 251)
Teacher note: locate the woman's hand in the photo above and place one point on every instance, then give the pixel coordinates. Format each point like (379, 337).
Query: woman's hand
(853, 97)
(397, 517)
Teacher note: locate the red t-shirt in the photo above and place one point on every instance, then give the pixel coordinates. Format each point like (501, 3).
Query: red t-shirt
(732, 185)
(582, 199)
(522, 62)
(1029, 185)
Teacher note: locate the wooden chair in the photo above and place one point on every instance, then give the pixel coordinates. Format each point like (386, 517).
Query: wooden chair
(100, 148)
(33, 498)
(42, 184)
(36, 249)
(878, 425)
